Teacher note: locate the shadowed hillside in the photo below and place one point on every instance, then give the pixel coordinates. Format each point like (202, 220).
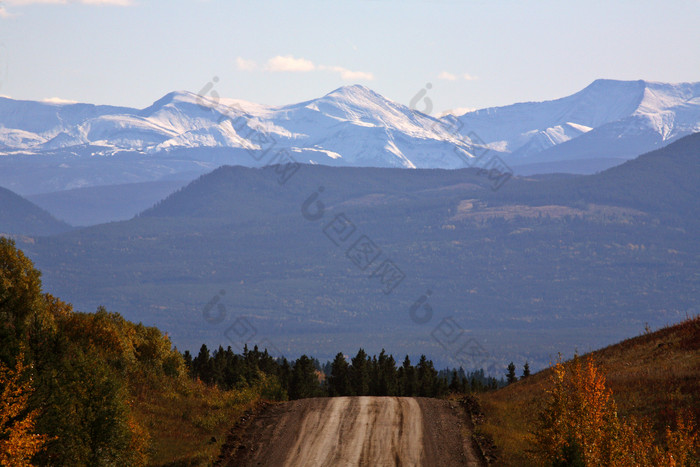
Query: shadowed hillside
(21, 217)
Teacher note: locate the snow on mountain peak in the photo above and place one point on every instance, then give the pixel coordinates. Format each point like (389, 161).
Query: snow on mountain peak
(355, 92)
(175, 98)
(353, 125)
(613, 106)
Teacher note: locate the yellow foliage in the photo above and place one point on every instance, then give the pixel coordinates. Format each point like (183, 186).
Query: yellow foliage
(57, 307)
(17, 442)
(139, 443)
(682, 444)
(579, 425)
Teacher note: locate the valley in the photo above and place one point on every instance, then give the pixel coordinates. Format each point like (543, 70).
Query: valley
(584, 261)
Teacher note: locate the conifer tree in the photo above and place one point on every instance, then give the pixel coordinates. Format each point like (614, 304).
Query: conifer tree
(510, 375)
(285, 375)
(339, 380)
(387, 382)
(407, 378)
(455, 385)
(202, 365)
(427, 377)
(304, 379)
(359, 374)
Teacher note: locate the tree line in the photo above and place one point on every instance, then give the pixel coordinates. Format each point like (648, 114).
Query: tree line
(361, 375)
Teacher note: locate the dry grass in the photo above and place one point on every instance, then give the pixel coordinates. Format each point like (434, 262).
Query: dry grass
(656, 376)
(187, 420)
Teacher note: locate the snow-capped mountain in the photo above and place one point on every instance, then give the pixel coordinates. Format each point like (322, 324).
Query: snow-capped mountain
(183, 134)
(607, 119)
(351, 126)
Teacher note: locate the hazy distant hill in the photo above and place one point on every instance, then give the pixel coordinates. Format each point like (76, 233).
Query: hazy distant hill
(108, 203)
(544, 264)
(20, 217)
(664, 182)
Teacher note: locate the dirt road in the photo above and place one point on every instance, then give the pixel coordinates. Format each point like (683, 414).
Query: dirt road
(350, 431)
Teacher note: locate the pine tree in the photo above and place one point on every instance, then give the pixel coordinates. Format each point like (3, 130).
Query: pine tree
(511, 373)
(339, 380)
(387, 382)
(455, 385)
(359, 374)
(284, 373)
(202, 365)
(526, 370)
(304, 379)
(187, 357)
(218, 367)
(373, 371)
(427, 378)
(407, 379)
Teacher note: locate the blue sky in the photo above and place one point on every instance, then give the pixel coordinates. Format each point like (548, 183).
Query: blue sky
(474, 53)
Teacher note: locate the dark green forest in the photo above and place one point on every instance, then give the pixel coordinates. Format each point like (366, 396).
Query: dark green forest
(362, 376)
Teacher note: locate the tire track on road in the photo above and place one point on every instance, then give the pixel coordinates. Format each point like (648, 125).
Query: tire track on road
(355, 431)
(370, 431)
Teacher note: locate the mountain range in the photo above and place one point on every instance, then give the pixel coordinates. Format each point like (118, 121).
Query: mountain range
(47, 147)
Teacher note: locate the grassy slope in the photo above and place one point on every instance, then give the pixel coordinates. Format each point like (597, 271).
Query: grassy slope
(654, 375)
(186, 420)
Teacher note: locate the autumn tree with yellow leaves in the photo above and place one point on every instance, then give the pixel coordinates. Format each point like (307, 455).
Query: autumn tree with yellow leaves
(65, 376)
(579, 426)
(18, 442)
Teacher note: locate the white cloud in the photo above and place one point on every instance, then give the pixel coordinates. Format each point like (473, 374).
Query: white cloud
(58, 100)
(289, 63)
(447, 75)
(246, 65)
(349, 75)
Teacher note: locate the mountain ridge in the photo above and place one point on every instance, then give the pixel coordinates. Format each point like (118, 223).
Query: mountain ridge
(19, 216)
(605, 122)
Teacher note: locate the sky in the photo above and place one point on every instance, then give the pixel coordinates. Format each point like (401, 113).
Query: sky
(457, 54)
